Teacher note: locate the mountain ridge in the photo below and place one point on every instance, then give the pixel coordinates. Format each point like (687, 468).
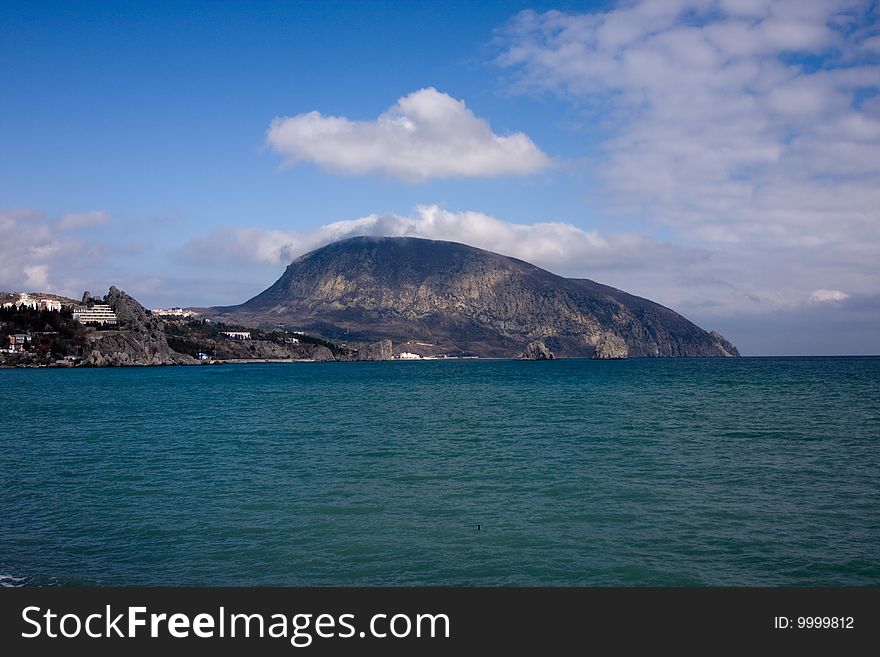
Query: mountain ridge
(461, 300)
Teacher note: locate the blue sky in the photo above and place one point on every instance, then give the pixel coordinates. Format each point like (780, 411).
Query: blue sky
(718, 156)
(160, 109)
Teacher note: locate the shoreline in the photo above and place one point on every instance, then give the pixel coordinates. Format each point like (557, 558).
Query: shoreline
(252, 361)
(249, 361)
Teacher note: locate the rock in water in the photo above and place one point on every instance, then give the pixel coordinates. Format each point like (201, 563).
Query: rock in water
(139, 340)
(464, 301)
(536, 350)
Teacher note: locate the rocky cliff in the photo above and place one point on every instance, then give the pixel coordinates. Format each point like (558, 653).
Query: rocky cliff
(536, 350)
(139, 340)
(461, 300)
(382, 350)
(229, 349)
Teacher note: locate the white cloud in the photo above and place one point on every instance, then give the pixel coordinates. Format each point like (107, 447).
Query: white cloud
(38, 254)
(561, 247)
(718, 122)
(36, 277)
(27, 247)
(427, 134)
(824, 296)
(82, 220)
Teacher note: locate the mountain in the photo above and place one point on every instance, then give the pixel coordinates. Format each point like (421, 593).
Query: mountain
(435, 297)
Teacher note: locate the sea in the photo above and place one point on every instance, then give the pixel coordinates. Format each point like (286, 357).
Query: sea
(655, 472)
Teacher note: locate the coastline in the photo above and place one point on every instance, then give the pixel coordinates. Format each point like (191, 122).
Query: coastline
(254, 361)
(251, 361)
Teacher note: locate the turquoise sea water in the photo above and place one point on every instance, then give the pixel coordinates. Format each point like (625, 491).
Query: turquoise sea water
(643, 472)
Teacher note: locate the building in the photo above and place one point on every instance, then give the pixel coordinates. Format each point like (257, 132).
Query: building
(238, 335)
(25, 300)
(50, 304)
(202, 356)
(97, 314)
(17, 342)
(173, 312)
(406, 355)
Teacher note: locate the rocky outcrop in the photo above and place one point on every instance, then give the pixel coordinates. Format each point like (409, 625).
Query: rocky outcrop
(139, 338)
(610, 346)
(322, 353)
(464, 301)
(382, 350)
(232, 349)
(536, 350)
(724, 345)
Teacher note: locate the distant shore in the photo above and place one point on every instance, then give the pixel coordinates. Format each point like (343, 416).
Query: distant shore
(251, 361)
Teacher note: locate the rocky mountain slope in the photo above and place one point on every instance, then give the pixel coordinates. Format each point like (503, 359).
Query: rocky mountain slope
(444, 297)
(140, 341)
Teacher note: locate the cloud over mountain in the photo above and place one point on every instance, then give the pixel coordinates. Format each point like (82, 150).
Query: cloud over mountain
(563, 247)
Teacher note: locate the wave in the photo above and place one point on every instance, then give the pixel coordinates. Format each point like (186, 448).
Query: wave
(8, 581)
(12, 581)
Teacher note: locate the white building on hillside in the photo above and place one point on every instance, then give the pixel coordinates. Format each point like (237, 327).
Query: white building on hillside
(97, 314)
(174, 312)
(25, 300)
(238, 335)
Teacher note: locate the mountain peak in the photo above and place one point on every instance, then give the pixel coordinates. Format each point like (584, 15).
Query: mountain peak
(452, 298)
